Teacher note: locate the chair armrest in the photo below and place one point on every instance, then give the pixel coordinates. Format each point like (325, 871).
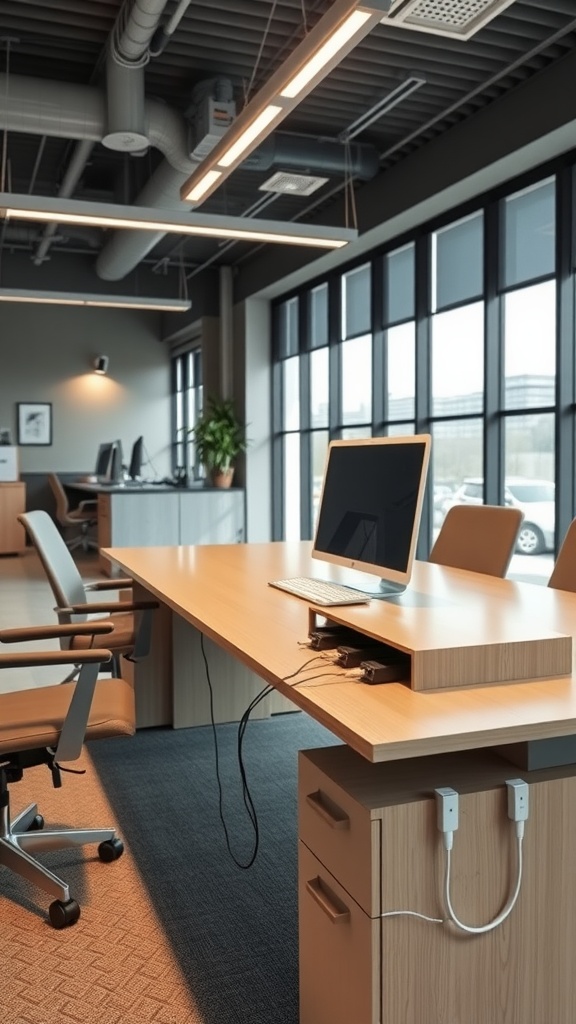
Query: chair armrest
(23, 633)
(107, 606)
(89, 505)
(112, 584)
(25, 659)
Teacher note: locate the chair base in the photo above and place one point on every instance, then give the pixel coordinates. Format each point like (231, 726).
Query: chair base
(82, 542)
(17, 844)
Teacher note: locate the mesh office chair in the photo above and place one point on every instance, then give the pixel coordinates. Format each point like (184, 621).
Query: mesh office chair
(130, 634)
(564, 572)
(84, 517)
(480, 538)
(48, 725)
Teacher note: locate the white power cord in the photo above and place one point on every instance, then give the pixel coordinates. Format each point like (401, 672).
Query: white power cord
(447, 809)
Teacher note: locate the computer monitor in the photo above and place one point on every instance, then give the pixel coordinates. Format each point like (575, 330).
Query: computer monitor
(109, 468)
(103, 459)
(370, 508)
(117, 466)
(136, 459)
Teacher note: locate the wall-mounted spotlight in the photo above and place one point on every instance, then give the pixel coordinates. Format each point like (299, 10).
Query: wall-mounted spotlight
(101, 364)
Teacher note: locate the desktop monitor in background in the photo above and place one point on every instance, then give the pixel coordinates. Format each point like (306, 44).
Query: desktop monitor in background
(136, 459)
(103, 460)
(370, 508)
(116, 474)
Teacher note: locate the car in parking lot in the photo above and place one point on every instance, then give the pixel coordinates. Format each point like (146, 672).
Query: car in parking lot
(535, 498)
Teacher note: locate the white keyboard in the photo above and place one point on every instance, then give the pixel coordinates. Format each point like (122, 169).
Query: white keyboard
(320, 591)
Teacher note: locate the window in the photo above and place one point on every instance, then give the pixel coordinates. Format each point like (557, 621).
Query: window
(187, 394)
(456, 332)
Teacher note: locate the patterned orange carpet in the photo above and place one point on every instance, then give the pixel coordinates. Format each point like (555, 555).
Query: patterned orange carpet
(115, 965)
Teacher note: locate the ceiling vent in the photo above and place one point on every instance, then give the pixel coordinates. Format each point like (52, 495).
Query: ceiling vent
(458, 19)
(292, 184)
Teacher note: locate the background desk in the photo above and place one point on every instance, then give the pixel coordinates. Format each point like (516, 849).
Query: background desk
(368, 838)
(156, 515)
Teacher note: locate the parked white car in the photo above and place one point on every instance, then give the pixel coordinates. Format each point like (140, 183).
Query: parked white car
(535, 498)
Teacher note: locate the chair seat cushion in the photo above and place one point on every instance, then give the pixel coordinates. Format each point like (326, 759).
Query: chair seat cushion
(33, 718)
(120, 639)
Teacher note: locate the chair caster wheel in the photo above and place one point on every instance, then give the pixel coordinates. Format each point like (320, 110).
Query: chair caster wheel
(110, 850)
(63, 914)
(36, 824)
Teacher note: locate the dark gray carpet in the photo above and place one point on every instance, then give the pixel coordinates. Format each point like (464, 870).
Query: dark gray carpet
(233, 931)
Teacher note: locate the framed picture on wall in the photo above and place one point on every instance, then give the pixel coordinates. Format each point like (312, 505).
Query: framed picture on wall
(34, 422)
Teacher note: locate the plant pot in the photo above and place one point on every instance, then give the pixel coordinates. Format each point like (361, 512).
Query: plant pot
(221, 478)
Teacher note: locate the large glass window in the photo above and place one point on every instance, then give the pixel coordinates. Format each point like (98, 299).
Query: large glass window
(357, 380)
(187, 398)
(530, 346)
(356, 304)
(529, 234)
(457, 262)
(401, 357)
(461, 331)
(458, 361)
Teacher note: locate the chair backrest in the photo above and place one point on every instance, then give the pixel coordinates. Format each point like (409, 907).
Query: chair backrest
(564, 572)
(61, 498)
(480, 538)
(60, 567)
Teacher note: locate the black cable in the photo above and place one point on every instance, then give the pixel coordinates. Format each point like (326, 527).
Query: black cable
(242, 726)
(248, 803)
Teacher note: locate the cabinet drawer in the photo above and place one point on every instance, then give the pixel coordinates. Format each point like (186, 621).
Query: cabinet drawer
(340, 977)
(341, 834)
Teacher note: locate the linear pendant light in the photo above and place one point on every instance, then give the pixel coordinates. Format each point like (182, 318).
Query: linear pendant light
(60, 298)
(337, 32)
(143, 218)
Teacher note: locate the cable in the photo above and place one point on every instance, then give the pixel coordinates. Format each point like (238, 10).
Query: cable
(506, 910)
(447, 821)
(248, 803)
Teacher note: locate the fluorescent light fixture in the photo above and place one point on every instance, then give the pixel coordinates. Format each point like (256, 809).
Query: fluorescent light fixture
(142, 218)
(58, 298)
(334, 45)
(337, 32)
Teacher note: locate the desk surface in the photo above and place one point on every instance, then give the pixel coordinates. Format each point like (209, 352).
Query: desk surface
(222, 590)
(140, 488)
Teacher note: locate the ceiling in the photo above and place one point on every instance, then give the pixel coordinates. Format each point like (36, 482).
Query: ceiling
(239, 43)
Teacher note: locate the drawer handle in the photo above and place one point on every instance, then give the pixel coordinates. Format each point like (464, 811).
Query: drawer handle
(333, 907)
(333, 816)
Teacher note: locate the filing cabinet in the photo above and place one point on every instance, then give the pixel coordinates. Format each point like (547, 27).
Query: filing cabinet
(12, 503)
(369, 846)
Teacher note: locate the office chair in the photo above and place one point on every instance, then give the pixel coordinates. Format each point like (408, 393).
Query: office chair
(564, 572)
(480, 538)
(48, 725)
(130, 634)
(83, 516)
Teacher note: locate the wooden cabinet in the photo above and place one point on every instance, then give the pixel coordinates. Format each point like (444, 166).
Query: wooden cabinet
(371, 858)
(159, 517)
(12, 503)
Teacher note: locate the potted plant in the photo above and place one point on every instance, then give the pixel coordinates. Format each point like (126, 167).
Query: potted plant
(219, 437)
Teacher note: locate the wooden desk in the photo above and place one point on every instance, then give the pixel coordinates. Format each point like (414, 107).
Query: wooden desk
(222, 592)
(368, 843)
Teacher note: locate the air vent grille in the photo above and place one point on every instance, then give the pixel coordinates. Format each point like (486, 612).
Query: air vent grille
(292, 184)
(458, 19)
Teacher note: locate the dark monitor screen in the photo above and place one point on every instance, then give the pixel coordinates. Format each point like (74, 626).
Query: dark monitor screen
(371, 504)
(117, 463)
(103, 459)
(109, 467)
(136, 459)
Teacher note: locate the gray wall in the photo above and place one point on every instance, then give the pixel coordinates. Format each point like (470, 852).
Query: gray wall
(46, 355)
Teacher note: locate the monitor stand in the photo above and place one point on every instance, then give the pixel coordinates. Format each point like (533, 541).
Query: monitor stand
(381, 590)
